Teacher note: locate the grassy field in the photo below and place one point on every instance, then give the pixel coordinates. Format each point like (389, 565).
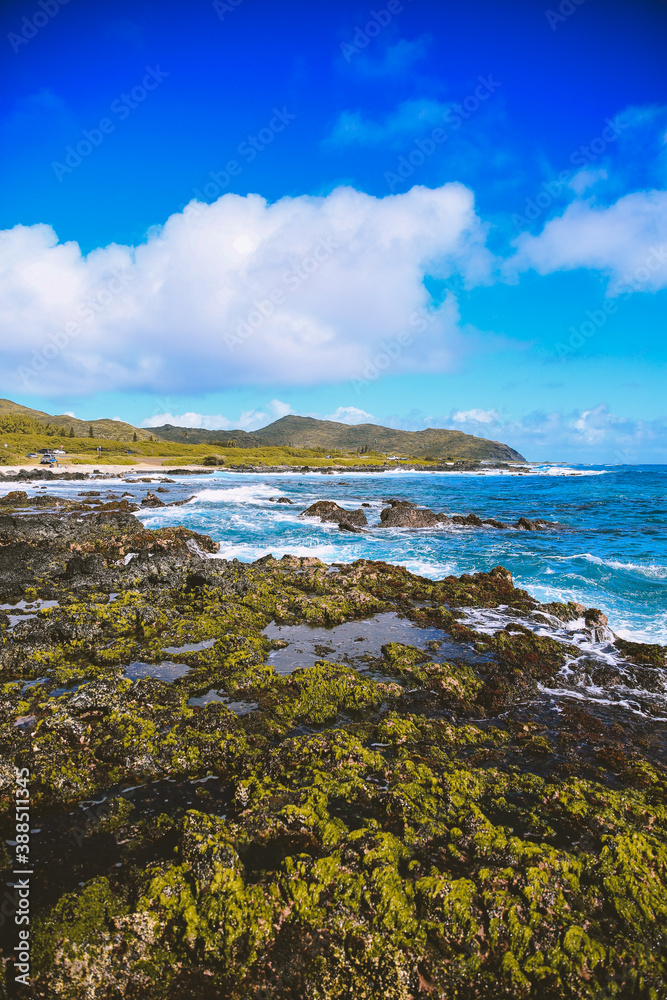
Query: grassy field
(14, 447)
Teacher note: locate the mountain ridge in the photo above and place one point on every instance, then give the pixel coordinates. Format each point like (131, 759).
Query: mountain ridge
(291, 431)
(309, 432)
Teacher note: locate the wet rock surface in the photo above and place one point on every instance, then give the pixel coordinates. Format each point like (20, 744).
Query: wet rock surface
(329, 511)
(403, 812)
(409, 516)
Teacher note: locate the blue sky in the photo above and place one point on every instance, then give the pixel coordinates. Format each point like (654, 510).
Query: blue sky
(418, 213)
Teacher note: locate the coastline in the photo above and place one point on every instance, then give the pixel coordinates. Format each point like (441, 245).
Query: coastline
(16, 473)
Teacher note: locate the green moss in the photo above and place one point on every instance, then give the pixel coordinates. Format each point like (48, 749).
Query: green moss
(396, 852)
(317, 694)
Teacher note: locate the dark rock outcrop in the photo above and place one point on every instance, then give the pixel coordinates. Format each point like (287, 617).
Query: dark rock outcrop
(150, 500)
(526, 524)
(330, 512)
(349, 526)
(402, 515)
(470, 519)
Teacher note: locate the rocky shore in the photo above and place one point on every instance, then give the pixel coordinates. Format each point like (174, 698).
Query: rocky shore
(42, 473)
(405, 514)
(406, 814)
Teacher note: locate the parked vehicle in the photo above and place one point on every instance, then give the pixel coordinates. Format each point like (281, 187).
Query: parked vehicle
(48, 460)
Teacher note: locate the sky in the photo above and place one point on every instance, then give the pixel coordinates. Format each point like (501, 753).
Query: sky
(413, 213)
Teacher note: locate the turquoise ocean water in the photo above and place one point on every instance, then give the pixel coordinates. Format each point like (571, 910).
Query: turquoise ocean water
(608, 550)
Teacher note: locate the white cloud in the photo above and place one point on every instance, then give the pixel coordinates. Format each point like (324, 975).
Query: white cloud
(595, 435)
(627, 241)
(409, 118)
(585, 179)
(248, 420)
(192, 306)
(69, 413)
(351, 415)
(475, 417)
(209, 422)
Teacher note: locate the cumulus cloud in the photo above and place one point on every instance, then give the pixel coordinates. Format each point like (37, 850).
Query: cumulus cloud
(626, 240)
(409, 118)
(475, 417)
(351, 415)
(593, 435)
(248, 420)
(207, 421)
(302, 291)
(585, 179)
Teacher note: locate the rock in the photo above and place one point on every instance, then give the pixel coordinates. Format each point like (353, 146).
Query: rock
(118, 505)
(365, 505)
(494, 524)
(500, 573)
(566, 612)
(349, 526)
(329, 511)
(525, 524)
(150, 500)
(280, 500)
(470, 519)
(594, 618)
(408, 516)
(597, 623)
(399, 503)
(17, 498)
(179, 503)
(161, 489)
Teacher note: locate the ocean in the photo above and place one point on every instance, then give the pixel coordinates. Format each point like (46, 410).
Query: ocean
(608, 548)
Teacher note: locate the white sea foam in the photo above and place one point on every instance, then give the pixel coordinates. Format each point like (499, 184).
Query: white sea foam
(594, 650)
(254, 492)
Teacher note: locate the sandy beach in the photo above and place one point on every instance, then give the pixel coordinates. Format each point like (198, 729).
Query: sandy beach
(142, 466)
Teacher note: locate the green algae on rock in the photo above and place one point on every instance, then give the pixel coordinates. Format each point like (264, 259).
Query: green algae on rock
(407, 825)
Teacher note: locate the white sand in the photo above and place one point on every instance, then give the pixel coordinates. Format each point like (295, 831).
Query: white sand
(143, 467)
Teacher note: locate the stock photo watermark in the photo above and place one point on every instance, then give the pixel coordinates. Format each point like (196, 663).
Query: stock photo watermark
(291, 281)
(121, 107)
(60, 340)
(31, 26)
(23, 869)
(391, 351)
(565, 10)
(248, 149)
(581, 157)
(595, 319)
(378, 20)
(454, 117)
(223, 7)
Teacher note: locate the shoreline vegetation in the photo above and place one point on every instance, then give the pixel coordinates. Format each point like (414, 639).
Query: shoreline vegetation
(399, 819)
(287, 443)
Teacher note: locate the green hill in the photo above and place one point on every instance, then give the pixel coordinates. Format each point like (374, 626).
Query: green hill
(325, 436)
(108, 430)
(306, 432)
